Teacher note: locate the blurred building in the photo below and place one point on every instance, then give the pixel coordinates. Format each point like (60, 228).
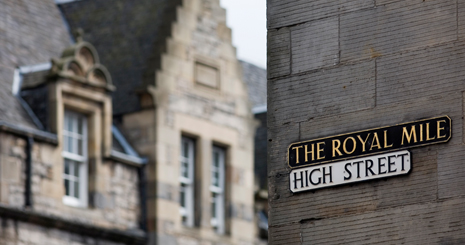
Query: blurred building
(255, 78)
(158, 79)
(67, 175)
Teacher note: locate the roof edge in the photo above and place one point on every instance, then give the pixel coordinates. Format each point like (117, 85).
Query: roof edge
(36, 134)
(128, 159)
(259, 109)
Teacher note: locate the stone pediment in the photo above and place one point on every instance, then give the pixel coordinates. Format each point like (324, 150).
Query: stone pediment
(80, 63)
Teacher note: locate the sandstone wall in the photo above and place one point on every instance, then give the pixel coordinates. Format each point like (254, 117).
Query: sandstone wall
(214, 110)
(343, 66)
(117, 206)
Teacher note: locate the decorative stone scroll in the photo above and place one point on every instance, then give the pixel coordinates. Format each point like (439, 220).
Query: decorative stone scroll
(81, 63)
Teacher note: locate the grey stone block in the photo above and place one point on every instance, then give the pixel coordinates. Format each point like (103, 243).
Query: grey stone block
(315, 44)
(420, 75)
(397, 27)
(279, 138)
(286, 234)
(284, 13)
(325, 92)
(279, 53)
(418, 224)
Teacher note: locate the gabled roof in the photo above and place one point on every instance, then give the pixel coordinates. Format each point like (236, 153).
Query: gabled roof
(130, 36)
(255, 79)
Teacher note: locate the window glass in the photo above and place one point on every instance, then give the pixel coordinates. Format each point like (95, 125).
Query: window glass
(217, 189)
(186, 178)
(75, 159)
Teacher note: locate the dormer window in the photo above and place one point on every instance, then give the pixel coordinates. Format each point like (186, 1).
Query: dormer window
(75, 159)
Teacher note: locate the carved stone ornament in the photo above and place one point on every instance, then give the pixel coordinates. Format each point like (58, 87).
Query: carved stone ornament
(80, 63)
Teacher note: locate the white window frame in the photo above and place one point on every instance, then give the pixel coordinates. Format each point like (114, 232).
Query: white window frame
(217, 220)
(186, 183)
(80, 159)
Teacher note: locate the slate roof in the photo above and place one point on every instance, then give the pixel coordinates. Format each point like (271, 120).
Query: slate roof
(255, 78)
(260, 154)
(130, 36)
(11, 110)
(30, 34)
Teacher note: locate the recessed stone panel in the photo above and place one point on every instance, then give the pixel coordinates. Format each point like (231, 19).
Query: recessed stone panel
(207, 75)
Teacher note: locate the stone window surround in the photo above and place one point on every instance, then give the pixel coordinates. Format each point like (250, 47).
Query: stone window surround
(198, 197)
(96, 106)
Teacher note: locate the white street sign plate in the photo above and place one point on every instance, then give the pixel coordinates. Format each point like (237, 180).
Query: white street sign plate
(350, 171)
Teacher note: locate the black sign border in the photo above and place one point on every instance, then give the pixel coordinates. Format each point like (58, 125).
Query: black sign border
(370, 154)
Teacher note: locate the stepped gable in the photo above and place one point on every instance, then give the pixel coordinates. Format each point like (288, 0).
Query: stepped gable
(130, 36)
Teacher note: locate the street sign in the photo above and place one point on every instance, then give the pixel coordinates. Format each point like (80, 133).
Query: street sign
(369, 142)
(350, 171)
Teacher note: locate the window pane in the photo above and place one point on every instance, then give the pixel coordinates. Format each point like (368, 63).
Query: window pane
(69, 124)
(76, 169)
(80, 125)
(67, 187)
(183, 197)
(69, 144)
(65, 123)
(217, 167)
(80, 147)
(185, 151)
(184, 170)
(215, 179)
(65, 143)
(214, 205)
(67, 166)
(74, 141)
(76, 189)
(216, 159)
(186, 164)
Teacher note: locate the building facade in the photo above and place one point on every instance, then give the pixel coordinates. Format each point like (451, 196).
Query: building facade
(186, 108)
(255, 78)
(136, 129)
(64, 180)
(346, 69)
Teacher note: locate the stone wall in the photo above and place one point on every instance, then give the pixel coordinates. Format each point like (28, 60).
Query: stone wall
(117, 206)
(22, 233)
(213, 112)
(25, 31)
(31, 33)
(343, 66)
